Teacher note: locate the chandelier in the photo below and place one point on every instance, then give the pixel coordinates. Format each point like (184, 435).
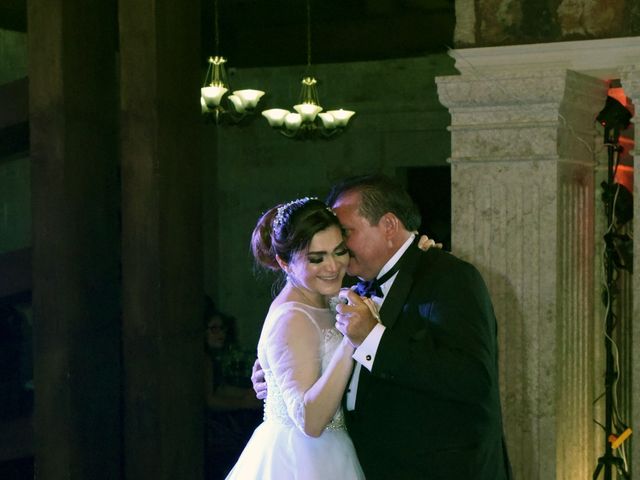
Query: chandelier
(303, 123)
(216, 85)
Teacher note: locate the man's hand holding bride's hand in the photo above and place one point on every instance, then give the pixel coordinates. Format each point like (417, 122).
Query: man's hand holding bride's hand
(356, 319)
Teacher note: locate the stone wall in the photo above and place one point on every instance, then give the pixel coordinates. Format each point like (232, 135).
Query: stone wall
(15, 220)
(13, 56)
(504, 22)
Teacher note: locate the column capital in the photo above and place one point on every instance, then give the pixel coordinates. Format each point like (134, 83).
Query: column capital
(476, 89)
(532, 115)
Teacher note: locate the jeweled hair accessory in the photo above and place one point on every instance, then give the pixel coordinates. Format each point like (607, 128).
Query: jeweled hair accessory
(285, 211)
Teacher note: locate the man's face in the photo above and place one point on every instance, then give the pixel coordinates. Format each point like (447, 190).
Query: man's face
(367, 243)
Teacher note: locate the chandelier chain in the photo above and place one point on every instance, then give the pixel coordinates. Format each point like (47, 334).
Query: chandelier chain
(308, 34)
(216, 27)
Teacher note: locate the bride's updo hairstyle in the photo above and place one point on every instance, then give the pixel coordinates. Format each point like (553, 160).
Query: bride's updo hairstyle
(288, 228)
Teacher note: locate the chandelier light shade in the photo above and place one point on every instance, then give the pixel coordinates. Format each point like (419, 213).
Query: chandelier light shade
(216, 87)
(214, 102)
(308, 119)
(303, 122)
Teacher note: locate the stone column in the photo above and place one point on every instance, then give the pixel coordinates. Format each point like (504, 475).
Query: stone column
(522, 169)
(75, 197)
(162, 339)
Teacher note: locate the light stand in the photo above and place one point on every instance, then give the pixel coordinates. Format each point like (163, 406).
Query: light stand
(613, 117)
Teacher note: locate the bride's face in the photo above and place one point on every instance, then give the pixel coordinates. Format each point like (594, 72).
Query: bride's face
(322, 266)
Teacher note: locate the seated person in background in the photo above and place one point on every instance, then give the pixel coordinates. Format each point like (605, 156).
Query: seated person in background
(232, 410)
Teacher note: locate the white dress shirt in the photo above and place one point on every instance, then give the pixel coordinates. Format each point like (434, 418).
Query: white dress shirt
(365, 354)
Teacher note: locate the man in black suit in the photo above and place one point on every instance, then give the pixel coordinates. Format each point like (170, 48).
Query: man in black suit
(424, 399)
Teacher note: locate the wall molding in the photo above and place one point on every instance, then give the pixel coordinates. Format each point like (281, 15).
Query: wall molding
(602, 58)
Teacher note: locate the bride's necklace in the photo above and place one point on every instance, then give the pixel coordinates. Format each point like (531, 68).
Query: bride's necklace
(321, 303)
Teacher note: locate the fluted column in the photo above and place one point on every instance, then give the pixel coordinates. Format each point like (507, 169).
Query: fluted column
(522, 164)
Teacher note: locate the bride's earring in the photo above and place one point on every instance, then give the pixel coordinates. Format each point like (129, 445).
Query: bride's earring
(290, 278)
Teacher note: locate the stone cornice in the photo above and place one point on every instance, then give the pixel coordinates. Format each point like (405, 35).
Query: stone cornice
(603, 59)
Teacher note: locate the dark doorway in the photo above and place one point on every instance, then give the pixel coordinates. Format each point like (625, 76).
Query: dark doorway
(430, 187)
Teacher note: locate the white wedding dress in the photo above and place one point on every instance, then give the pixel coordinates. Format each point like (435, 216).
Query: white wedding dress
(279, 448)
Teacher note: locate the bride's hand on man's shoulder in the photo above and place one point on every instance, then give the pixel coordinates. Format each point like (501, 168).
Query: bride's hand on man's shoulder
(425, 243)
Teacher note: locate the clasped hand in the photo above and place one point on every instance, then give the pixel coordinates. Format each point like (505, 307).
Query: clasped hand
(356, 318)
(258, 380)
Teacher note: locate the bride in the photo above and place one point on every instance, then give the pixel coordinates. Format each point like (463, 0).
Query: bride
(306, 361)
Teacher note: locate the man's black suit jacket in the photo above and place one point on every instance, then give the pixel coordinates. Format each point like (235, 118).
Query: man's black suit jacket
(430, 408)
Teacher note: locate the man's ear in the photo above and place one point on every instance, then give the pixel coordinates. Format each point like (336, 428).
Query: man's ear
(391, 224)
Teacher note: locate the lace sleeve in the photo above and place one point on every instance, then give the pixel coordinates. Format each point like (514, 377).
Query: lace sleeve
(294, 355)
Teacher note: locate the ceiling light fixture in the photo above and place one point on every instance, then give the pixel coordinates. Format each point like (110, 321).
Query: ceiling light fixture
(302, 123)
(216, 85)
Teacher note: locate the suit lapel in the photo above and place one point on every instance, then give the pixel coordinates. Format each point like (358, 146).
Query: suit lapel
(401, 286)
